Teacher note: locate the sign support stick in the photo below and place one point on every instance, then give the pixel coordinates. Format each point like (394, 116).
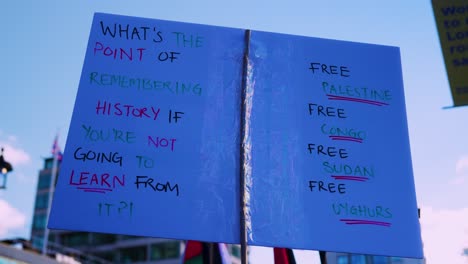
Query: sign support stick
(244, 153)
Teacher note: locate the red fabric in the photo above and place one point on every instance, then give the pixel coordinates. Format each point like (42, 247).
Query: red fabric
(193, 249)
(197, 252)
(281, 256)
(284, 256)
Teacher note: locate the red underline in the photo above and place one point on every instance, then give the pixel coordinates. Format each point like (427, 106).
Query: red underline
(364, 222)
(359, 140)
(350, 178)
(96, 190)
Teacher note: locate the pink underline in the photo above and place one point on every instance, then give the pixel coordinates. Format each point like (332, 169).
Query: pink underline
(343, 98)
(365, 222)
(95, 189)
(346, 138)
(351, 178)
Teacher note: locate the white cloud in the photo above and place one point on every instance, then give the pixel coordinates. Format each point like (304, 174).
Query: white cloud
(16, 156)
(462, 166)
(461, 171)
(445, 235)
(10, 218)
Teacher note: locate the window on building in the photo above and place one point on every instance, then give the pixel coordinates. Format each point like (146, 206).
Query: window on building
(75, 239)
(395, 260)
(37, 242)
(342, 260)
(380, 260)
(48, 163)
(358, 259)
(167, 250)
(42, 201)
(52, 239)
(133, 254)
(39, 222)
(44, 181)
(101, 239)
(235, 251)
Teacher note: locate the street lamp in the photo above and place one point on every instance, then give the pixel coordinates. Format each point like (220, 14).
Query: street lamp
(5, 168)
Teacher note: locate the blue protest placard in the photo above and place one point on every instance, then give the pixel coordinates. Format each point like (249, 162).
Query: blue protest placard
(331, 166)
(154, 142)
(152, 148)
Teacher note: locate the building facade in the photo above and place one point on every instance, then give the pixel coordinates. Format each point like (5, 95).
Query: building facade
(346, 258)
(41, 204)
(86, 247)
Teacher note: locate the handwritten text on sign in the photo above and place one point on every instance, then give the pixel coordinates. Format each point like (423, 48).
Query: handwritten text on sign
(154, 140)
(329, 148)
(146, 137)
(452, 24)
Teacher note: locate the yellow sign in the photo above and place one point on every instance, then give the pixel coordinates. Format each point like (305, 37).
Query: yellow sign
(452, 23)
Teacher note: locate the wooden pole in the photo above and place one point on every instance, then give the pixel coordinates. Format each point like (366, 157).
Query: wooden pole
(244, 107)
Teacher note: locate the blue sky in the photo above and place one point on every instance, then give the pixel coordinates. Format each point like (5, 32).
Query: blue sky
(42, 52)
